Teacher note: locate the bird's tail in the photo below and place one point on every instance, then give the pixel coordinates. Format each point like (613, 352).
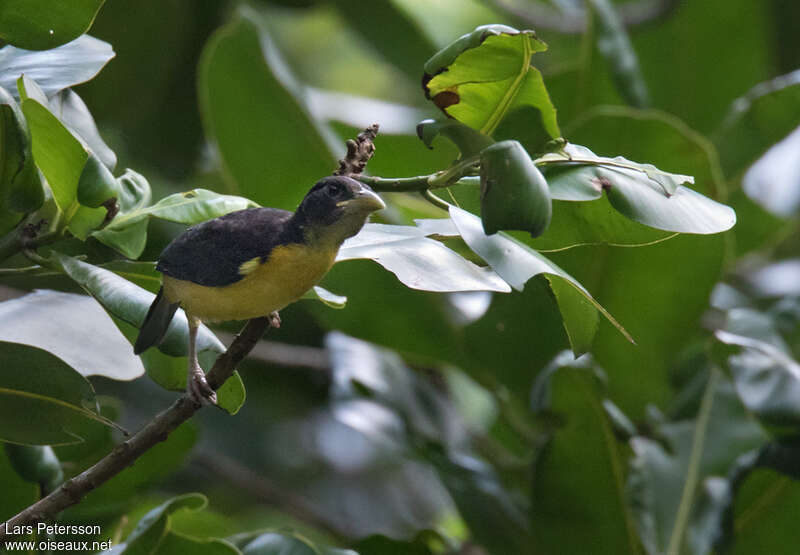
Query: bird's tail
(155, 323)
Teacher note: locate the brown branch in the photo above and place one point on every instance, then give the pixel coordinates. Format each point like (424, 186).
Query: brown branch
(124, 454)
(359, 151)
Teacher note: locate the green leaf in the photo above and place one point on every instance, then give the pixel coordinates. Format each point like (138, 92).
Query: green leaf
(272, 543)
(73, 113)
(190, 207)
(21, 187)
(326, 297)
(514, 193)
(756, 121)
(419, 262)
(59, 155)
(143, 274)
(672, 489)
(468, 141)
(242, 78)
(177, 544)
(44, 399)
(128, 234)
(56, 69)
(36, 463)
(96, 184)
(615, 45)
(40, 25)
(90, 343)
(485, 77)
(767, 380)
(516, 263)
(153, 526)
(17, 493)
(641, 192)
(579, 481)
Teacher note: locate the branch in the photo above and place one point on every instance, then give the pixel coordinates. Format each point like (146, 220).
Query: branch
(359, 151)
(157, 430)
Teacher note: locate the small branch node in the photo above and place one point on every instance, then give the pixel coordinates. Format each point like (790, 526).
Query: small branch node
(359, 151)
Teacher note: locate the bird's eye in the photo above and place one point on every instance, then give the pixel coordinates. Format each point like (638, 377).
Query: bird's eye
(333, 190)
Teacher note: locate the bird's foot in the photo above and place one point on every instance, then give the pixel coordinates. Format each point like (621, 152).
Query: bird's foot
(274, 319)
(197, 388)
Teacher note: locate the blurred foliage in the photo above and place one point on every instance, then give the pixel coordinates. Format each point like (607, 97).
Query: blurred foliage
(443, 410)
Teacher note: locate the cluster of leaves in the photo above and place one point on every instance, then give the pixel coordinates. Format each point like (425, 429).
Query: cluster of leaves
(652, 481)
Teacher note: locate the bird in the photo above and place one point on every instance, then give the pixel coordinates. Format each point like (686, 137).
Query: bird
(252, 263)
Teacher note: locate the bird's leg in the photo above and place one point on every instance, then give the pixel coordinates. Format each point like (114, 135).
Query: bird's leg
(197, 387)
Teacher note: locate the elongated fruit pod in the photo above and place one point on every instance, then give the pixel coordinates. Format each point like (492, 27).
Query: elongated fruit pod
(514, 193)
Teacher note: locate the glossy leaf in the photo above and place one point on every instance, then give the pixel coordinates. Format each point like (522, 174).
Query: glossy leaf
(516, 263)
(40, 25)
(419, 262)
(326, 297)
(485, 77)
(673, 492)
(21, 187)
(37, 319)
(767, 380)
(44, 400)
(641, 192)
(758, 120)
(58, 154)
(154, 526)
(73, 112)
(273, 543)
(773, 181)
(514, 193)
(67, 65)
(615, 45)
(579, 480)
(251, 107)
(96, 184)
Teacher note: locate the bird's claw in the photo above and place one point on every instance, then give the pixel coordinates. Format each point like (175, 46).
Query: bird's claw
(198, 390)
(274, 319)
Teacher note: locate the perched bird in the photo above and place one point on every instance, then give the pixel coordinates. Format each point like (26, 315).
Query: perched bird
(252, 263)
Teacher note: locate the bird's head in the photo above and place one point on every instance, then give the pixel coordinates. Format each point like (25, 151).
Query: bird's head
(336, 208)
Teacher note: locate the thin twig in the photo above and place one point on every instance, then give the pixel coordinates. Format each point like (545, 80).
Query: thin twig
(359, 151)
(124, 454)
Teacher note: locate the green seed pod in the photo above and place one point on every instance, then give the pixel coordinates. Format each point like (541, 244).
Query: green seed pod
(514, 193)
(37, 464)
(96, 184)
(21, 187)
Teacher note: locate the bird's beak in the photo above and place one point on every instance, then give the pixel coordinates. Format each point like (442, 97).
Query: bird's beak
(365, 199)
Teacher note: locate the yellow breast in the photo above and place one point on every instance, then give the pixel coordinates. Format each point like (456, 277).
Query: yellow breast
(288, 273)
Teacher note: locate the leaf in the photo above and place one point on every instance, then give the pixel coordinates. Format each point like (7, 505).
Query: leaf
(40, 25)
(90, 343)
(177, 544)
(153, 526)
(127, 234)
(190, 207)
(242, 78)
(773, 181)
(758, 120)
(272, 543)
(326, 297)
(641, 192)
(767, 380)
(17, 493)
(516, 263)
(44, 400)
(468, 141)
(419, 262)
(36, 463)
(21, 187)
(579, 480)
(484, 78)
(70, 64)
(615, 45)
(673, 492)
(58, 154)
(129, 302)
(72, 111)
